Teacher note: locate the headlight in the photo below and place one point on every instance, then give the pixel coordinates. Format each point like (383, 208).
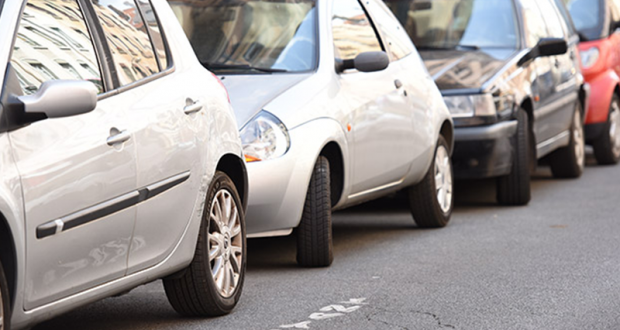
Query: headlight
(264, 137)
(461, 106)
(589, 57)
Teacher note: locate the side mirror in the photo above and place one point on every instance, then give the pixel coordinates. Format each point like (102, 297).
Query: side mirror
(61, 98)
(545, 47)
(366, 62)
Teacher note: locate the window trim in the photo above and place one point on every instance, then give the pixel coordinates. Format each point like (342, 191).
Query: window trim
(372, 25)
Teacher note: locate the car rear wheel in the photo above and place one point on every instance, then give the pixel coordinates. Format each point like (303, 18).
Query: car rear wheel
(569, 161)
(314, 234)
(211, 285)
(607, 146)
(431, 201)
(514, 188)
(5, 311)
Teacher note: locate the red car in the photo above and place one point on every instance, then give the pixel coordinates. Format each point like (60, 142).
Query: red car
(598, 23)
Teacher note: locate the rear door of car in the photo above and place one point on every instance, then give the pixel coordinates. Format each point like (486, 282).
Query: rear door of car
(381, 121)
(78, 173)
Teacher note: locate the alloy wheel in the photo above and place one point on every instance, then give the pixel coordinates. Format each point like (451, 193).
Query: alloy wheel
(578, 136)
(225, 243)
(443, 179)
(614, 129)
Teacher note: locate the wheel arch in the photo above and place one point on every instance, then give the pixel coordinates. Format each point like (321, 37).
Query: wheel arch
(333, 153)
(234, 167)
(447, 131)
(8, 256)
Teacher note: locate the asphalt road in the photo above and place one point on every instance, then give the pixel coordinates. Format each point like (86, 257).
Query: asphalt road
(554, 264)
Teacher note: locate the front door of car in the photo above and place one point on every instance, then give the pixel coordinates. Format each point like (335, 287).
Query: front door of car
(381, 121)
(165, 117)
(78, 174)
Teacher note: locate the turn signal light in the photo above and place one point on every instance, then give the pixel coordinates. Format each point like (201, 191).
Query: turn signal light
(250, 159)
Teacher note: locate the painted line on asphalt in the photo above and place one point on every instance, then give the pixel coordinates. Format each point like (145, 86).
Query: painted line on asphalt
(328, 312)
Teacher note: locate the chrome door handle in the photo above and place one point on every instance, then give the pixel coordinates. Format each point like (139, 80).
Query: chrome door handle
(117, 136)
(191, 106)
(398, 83)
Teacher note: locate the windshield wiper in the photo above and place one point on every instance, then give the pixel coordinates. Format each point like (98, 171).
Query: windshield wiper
(468, 47)
(243, 67)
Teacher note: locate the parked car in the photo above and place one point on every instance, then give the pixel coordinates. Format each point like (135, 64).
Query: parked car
(332, 112)
(597, 22)
(509, 73)
(114, 174)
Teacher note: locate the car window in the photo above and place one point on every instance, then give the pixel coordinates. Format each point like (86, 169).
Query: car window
(397, 41)
(352, 30)
(251, 36)
(155, 32)
(555, 27)
(614, 8)
(565, 16)
(128, 39)
(588, 17)
(446, 24)
(534, 23)
(52, 42)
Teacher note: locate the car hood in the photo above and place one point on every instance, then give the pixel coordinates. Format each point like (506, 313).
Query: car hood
(250, 93)
(453, 69)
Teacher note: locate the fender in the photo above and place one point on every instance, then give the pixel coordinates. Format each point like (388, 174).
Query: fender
(603, 86)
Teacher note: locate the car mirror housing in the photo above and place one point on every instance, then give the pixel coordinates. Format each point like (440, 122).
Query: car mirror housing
(61, 98)
(545, 47)
(365, 62)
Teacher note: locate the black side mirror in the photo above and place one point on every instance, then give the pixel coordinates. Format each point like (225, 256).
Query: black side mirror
(545, 47)
(365, 62)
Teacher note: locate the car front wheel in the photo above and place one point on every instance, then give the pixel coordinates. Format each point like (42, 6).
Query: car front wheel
(5, 311)
(607, 146)
(314, 234)
(211, 285)
(432, 199)
(514, 189)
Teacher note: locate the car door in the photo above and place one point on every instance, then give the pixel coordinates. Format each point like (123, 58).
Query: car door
(381, 118)
(78, 174)
(165, 120)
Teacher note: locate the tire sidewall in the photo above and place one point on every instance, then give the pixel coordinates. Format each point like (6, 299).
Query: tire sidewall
(446, 215)
(6, 301)
(573, 142)
(222, 182)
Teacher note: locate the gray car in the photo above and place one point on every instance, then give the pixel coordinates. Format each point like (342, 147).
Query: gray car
(121, 162)
(335, 108)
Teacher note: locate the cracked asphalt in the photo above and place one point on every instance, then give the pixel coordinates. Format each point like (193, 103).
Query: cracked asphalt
(554, 264)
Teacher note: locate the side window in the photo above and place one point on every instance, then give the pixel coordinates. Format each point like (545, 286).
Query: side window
(352, 30)
(398, 42)
(570, 28)
(534, 23)
(554, 24)
(128, 39)
(154, 30)
(53, 43)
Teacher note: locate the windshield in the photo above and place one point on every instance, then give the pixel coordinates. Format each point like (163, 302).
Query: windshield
(587, 17)
(251, 36)
(453, 24)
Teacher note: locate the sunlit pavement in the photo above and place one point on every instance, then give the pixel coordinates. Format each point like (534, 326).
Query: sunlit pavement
(554, 264)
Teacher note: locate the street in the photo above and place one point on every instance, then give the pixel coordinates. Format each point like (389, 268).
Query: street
(554, 264)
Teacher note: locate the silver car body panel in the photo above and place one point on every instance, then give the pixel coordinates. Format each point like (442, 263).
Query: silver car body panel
(390, 145)
(138, 244)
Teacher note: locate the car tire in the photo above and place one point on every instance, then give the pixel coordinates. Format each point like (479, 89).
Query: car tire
(514, 189)
(607, 146)
(314, 234)
(207, 286)
(569, 161)
(5, 302)
(432, 200)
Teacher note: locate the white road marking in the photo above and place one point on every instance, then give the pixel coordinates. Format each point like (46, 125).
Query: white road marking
(355, 301)
(322, 315)
(339, 308)
(300, 325)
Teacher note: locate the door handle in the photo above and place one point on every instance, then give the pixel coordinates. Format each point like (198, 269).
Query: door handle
(398, 83)
(191, 106)
(557, 64)
(117, 136)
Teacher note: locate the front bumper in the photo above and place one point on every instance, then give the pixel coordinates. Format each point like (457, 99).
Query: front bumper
(483, 152)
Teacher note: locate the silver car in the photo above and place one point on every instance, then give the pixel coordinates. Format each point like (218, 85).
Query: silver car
(335, 108)
(121, 162)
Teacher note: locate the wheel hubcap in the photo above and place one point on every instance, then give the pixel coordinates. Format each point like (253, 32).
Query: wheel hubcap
(614, 129)
(443, 179)
(225, 243)
(578, 136)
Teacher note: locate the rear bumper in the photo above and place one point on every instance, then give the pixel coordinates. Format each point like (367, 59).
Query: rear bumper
(483, 152)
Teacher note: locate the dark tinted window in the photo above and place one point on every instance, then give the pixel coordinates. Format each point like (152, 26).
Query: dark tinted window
(49, 47)
(588, 17)
(128, 39)
(352, 30)
(251, 35)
